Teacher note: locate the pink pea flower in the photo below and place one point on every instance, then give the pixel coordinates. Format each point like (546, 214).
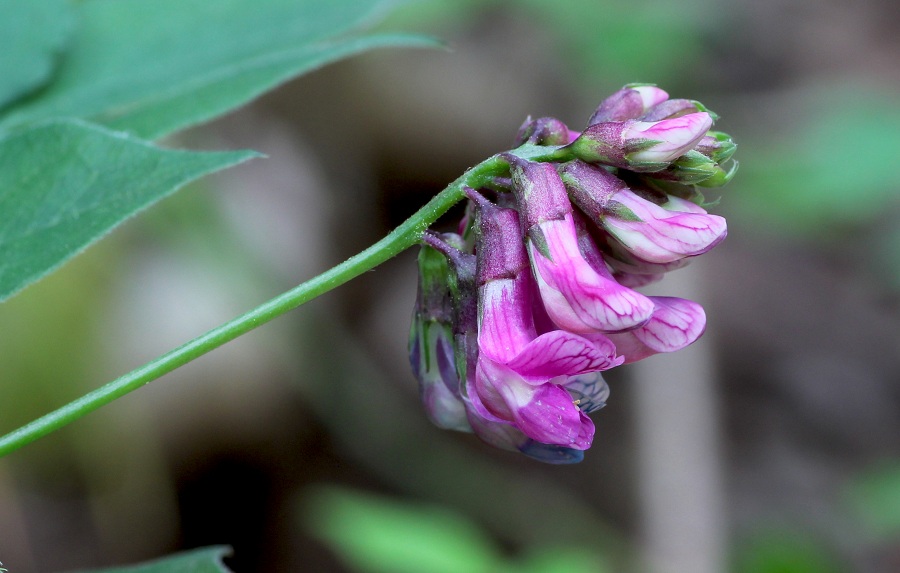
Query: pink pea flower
(521, 375)
(651, 232)
(641, 145)
(578, 297)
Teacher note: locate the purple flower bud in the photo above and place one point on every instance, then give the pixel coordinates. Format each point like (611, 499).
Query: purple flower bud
(649, 231)
(676, 323)
(630, 102)
(641, 146)
(578, 296)
(543, 131)
(431, 348)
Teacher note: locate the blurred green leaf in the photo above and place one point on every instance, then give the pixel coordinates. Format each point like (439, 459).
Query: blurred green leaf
(836, 166)
(379, 536)
(206, 560)
(875, 496)
(620, 42)
(155, 66)
(32, 35)
(558, 560)
(780, 550)
(64, 184)
(601, 42)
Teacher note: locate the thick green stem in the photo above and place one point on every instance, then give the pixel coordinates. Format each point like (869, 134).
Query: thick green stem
(400, 239)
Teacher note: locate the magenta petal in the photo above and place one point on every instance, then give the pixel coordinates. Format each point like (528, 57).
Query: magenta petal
(561, 353)
(498, 433)
(552, 418)
(578, 297)
(487, 399)
(505, 322)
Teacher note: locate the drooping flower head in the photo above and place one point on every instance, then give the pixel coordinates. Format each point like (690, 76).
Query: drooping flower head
(520, 313)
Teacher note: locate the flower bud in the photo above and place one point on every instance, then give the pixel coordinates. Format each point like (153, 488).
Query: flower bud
(641, 146)
(691, 168)
(717, 145)
(544, 131)
(629, 102)
(431, 347)
(720, 177)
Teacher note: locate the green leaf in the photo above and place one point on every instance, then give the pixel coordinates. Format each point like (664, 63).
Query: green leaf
(31, 36)
(379, 536)
(206, 560)
(64, 184)
(155, 66)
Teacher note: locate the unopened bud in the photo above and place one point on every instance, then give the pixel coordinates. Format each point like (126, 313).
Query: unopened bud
(717, 146)
(544, 131)
(641, 146)
(630, 102)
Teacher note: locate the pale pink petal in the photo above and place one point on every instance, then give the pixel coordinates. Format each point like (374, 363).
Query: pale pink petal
(676, 323)
(663, 236)
(675, 136)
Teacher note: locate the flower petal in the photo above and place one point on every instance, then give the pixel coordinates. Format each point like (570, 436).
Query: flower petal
(589, 391)
(676, 323)
(551, 417)
(578, 297)
(505, 323)
(672, 137)
(550, 454)
(561, 353)
(663, 236)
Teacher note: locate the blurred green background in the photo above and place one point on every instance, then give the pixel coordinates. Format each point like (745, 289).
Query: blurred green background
(303, 445)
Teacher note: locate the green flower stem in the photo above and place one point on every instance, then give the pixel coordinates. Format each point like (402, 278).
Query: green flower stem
(406, 235)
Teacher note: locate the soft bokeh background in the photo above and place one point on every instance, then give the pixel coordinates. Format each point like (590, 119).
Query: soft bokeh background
(772, 445)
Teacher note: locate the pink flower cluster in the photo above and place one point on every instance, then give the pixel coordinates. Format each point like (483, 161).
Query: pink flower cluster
(520, 312)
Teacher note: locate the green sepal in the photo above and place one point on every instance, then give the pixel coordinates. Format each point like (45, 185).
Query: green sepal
(702, 108)
(622, 212)
(721, 177)
(537, 237)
